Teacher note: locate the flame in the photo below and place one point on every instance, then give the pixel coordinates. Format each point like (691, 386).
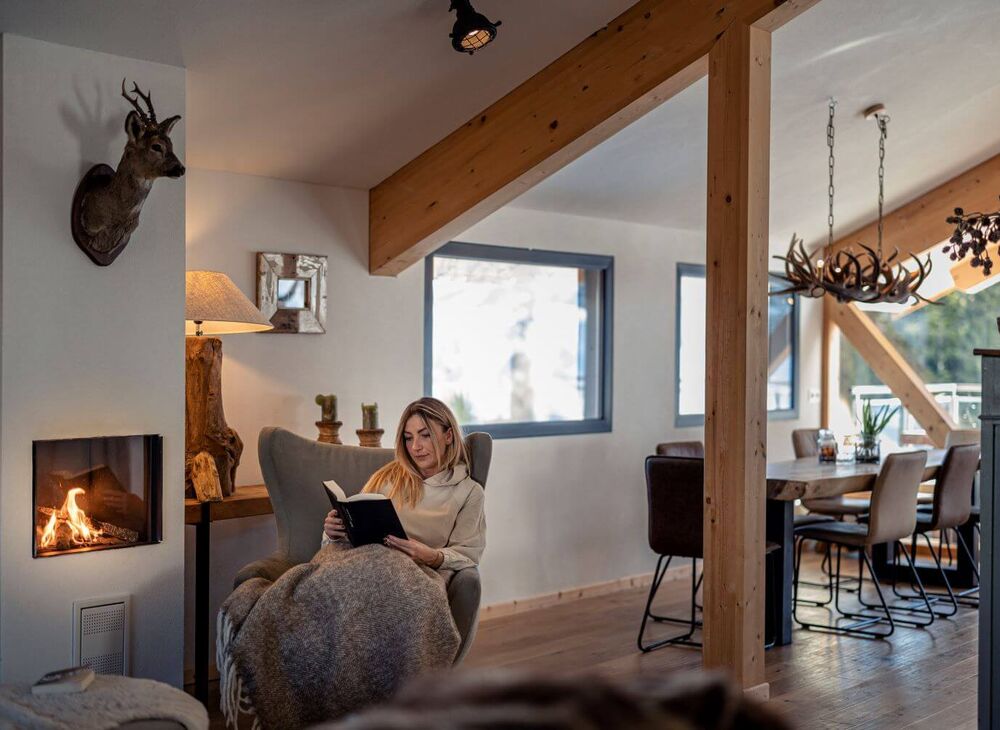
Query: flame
(48, 538)
(70, 514)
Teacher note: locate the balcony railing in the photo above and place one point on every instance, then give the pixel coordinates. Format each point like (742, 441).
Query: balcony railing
(961, 401)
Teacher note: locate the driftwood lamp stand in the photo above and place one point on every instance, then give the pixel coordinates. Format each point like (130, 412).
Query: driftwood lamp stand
(213, 306)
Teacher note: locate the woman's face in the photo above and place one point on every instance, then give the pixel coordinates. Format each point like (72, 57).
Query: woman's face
(421, 437)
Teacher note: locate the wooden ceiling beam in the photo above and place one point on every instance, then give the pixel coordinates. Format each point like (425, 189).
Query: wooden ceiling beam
(647, 54)
(893, 370)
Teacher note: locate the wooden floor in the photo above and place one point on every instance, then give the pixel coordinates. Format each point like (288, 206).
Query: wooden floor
(916, 679)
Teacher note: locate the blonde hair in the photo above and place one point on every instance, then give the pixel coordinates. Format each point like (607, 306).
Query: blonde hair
(401, 475)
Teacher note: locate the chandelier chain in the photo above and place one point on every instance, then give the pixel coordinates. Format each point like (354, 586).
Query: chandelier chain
(830, 189)
(883, 128)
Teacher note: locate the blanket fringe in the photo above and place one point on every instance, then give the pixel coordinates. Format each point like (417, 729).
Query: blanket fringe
(234, 700)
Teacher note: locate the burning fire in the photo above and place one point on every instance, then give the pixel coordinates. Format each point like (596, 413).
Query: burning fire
(81, 529)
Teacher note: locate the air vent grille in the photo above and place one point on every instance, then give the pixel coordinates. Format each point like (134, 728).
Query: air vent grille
(100, 634)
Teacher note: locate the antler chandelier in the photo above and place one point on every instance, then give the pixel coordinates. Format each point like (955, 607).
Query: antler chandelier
(868, 276)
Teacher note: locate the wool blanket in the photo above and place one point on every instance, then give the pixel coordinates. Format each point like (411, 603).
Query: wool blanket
(330, 636)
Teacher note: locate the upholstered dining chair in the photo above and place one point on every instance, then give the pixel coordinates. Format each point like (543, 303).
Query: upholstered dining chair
(294, 469)
(675, 493)
(951, 509)
(892, 519)
(805, 444)
(690, 449)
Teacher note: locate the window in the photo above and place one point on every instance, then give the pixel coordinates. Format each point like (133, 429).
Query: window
(518, 341)
(783, 356)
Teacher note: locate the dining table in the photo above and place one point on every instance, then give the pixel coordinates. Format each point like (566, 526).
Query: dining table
(806, 478)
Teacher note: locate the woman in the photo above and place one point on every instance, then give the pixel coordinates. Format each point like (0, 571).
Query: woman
(439, 504)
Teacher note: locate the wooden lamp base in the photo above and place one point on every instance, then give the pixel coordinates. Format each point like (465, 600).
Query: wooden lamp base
(212, 449)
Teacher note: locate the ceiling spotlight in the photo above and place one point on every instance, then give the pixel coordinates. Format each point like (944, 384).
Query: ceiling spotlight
(472, 30)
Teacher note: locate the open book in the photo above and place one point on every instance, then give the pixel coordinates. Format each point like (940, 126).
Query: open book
(368, 517)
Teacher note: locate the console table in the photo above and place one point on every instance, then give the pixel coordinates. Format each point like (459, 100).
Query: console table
(243, 502)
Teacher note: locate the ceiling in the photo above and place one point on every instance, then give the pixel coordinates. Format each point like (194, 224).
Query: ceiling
(936, 67)
(346, 92)
(340, 92)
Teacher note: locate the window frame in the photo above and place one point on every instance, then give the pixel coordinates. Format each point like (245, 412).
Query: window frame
(605, 265)
(687, 420)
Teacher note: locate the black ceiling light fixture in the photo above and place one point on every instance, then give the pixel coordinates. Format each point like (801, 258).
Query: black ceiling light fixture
(472, 30)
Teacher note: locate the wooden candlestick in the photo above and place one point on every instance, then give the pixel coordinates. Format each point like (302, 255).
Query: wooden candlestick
(370, 437)
(205, 427)
(329, 432)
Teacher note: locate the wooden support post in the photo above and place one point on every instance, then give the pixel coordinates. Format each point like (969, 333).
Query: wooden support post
(893, 369)
(739, 101)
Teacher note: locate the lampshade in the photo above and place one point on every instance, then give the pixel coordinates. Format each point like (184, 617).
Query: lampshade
(214, 301)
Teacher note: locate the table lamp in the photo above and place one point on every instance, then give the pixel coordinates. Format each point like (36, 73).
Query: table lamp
(213, 305)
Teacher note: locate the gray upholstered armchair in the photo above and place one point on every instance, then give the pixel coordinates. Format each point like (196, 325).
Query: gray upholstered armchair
(294, 469)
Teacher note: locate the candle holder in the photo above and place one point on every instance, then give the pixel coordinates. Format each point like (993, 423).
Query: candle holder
(329, 432)
(370, 437)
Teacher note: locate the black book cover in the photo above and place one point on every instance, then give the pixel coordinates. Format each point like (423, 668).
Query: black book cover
(367, 518)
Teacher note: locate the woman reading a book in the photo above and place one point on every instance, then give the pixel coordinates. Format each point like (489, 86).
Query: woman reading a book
(439, 504)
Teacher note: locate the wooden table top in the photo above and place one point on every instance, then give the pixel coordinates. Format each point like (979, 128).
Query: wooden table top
(808, 478)
(244, 502)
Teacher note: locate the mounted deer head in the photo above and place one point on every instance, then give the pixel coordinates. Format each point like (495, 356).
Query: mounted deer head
(107, 202)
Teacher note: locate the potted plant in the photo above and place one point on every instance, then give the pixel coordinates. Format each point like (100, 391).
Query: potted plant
(873, 422)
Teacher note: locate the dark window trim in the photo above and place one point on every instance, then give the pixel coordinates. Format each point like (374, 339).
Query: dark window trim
(604, 264)
(688, 420)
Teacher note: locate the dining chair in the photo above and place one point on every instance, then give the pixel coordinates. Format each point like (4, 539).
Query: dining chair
(805, 445)
(692, 449)
(805, 442)
(892, 518)
(675, 496)
(950, 510)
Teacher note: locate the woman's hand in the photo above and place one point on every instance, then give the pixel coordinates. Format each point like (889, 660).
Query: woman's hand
(421, 554)
(333, 526)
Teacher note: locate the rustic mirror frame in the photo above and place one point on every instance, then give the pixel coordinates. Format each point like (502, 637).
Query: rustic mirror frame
(273, 267)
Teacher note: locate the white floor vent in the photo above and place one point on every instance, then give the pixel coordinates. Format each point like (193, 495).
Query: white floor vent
(100, 634)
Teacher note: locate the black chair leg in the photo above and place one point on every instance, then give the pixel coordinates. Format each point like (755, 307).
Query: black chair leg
(691, 623)
(812, 584)
(859, 628)
(932, 596)
(895, 609)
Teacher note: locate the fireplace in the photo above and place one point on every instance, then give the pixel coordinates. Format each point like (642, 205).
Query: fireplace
(96, 494)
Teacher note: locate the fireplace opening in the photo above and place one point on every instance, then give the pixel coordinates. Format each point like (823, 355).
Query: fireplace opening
(96, 493)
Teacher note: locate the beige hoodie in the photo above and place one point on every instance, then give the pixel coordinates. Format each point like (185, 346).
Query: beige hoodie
(449, 517)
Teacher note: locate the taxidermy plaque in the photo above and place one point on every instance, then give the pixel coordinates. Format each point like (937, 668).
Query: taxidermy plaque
(291, 291)
(107, 202)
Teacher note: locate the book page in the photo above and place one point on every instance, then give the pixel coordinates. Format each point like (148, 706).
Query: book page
(341, 496)
(335, 490)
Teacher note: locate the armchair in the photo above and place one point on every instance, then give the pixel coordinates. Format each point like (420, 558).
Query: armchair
(293, 469)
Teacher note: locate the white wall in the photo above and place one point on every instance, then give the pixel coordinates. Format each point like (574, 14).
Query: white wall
(86, 350)
(562, 511)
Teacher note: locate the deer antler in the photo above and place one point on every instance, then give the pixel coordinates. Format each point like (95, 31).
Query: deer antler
(147, 118)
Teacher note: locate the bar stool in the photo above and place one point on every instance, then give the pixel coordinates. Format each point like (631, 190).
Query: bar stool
(675, 494)
(893, 517)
